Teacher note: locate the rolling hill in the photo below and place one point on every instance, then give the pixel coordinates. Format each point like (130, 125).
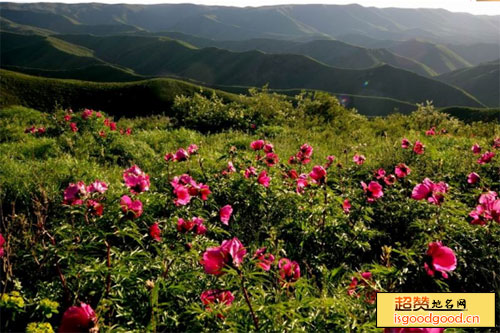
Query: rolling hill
(284, 21)
(483, 81)
(157, 56)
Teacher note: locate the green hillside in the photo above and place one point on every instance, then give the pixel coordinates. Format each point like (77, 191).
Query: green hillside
(330, 52)
(483, 81)
(156, 56)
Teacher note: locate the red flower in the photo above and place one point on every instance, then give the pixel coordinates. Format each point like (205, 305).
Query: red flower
(263, 179)
(216, 296)
(257, 145)
(271, 159)
(359, 159)
(86, 114)
(225, 214)
(432, 192)
(431, 131)
(74, 193)
(96, 208)
(78, 319)
(488, 209)
(329, 161)
(2, 242)
(418, 148)
(181, 155)
(440, 259)
(136, 180)
(268, 148)
(476, 149)
(230, 252)
(250, 171)
(390, 180)
(373, 191)
(192, 149)
(73, 127)
(318, 174)
(155, 232)
(380, 173)
(168, 157)
(405, 144)
(346, 206)
(301, 183)
(97, 186)
(473, 178)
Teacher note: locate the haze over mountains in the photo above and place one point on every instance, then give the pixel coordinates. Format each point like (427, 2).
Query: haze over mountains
(403, 55)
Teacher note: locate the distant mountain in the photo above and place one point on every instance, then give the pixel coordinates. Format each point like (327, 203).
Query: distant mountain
(483, 81)
(330, 52)
(477, 53)
(160, 56)
(285, 21)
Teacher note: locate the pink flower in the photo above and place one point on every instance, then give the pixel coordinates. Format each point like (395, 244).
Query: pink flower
(268, 148)
(155, 232)
(359, 159)
(418, 148)
(86, 114)
(230, 252)
(98, 115)
(405, 143)
(95, 207)
(289, 271)
(432, 192)
(431, 131)
(373, 191)
(402, 170)
(97, 186)
(41, 130)
(365, 281)
(440, 259)
(183, 196)
(301, 183)
(380, 173)
(257, 145)
(488, 209)
(476, 149)
(263, 179)
(303, 156)
(217, 296)
(271, 159)
(329, 161)
(192, 149)
(181, 155)
(346, 206)
(225, 214)
(128, 131)
(229, 169)
(250, 171)
(390, 179)
(67, 117)
(473, 178)
(496, 143)
(2, 242)
(486, 158)
(318, 174)
(31, 129)
(74, 193)
(136, 180)
(265, 260)
(129, 206)
(73, 127)
(413, 330)
(78, 319)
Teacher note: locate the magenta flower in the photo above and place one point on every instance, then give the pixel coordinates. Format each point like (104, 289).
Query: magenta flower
(230, 252)
(488, 209)
(168, 157)
(268, 148)
(496, 143)
(192, 149)
(263, 179)
(402, 170)
(183, 196)
(250, 171)
(301, 183)
(97, 186)
(74, 193)
(196, 225)
(476, 149)
(86, 114)
(373, 191)
(216, 296)
(67, 117)
(346, 206)
(440, 259)
(257, 145)
(225, 214)
(95, 207)
(230, 168)
(136, 180)
(112, 126)
(303, 156)
(380, 173)
(473, 178)
(359, 159)
(271, 159)
(181, 155)
(418, 148)
(486, 158)
(292, 174)
(430, 191)
(431, 131)
(318, 174)
(366, 281)
(2, 242)
(129, 207)
(265, 260)
(155, 232)
(289, 271)
(78, 319)
(329, 161)
(390, 180)
(405, 143)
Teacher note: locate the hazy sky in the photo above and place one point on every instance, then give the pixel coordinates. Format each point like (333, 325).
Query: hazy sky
(470, 6)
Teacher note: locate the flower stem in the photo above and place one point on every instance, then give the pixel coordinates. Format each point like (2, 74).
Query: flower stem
(247, 299)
